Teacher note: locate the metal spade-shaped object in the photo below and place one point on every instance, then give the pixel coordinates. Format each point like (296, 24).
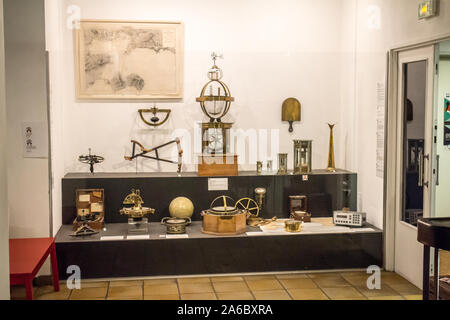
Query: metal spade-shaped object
(291, 112)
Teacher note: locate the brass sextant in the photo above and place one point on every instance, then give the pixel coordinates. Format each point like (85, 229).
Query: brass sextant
(136, 211)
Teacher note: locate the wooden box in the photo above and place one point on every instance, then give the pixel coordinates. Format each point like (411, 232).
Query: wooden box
(217, 165)
(224, 225)
(90, 203)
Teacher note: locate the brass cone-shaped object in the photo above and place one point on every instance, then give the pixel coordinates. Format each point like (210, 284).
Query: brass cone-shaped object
(331, 164)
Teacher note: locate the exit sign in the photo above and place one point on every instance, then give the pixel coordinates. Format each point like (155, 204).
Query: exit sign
(427, 9)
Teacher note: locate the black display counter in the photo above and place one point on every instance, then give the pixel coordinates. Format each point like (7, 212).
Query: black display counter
(204, 254)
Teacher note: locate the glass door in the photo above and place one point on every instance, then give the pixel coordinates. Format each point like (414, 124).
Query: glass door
(415, 96)
(442, 133)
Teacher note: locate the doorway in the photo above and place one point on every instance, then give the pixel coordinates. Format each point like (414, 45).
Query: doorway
(415, 88)
(417, 152)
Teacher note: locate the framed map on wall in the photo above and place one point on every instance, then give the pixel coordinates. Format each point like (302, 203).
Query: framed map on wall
(129, 60)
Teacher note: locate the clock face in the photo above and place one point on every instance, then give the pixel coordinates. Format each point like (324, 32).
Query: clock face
(214, 140)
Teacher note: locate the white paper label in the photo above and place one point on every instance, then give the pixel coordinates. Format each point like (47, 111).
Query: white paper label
(105, 238)
(84, 198)
(218, 184)
(141, 237)
(174, 236)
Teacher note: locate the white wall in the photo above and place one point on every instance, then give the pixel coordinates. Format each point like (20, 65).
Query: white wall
(271, 53)
(26, 100)
(4, 219)
(322, 52)
(442, 198)
(399, 25)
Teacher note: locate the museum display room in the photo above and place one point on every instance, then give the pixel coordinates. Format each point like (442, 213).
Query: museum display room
(225, 150)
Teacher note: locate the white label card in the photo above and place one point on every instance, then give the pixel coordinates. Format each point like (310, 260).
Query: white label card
(218, 184)
(84, 198)
(106, 238)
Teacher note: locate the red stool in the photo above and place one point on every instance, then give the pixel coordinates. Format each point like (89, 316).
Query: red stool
(26, 257)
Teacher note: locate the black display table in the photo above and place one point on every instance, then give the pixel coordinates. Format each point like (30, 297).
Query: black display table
(104, 256)
(203, 254)
(433, 232)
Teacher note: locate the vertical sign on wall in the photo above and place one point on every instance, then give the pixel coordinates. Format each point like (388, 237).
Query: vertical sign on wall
(35, 139)
(381, 104)
(447, 120)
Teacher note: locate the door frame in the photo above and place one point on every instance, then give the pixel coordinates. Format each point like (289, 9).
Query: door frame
(391, 174)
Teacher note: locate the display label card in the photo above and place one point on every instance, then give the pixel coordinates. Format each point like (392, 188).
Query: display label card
(218, 184)
(140, 237)
(106, 238)
(174, 236)
(96, 207)
(84, 198)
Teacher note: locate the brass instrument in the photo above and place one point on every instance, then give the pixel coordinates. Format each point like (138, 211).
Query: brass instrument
(291, 112)
(282, 163)
(137, 211)
(154, 121)
(145, 151)
(260, 194)
(331, 164)
(293, 226)
(91, 160)
(215, 106)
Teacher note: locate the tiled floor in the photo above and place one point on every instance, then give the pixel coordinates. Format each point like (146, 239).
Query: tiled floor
(316, 286)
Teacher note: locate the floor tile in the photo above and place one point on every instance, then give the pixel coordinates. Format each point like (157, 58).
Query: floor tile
(150, 282)
(199, 296)
(262, 285)
(96, 284)
(292, 276)
(272, 295)
(414, 297)
(61, 295)
(357, 281)
(19, 292)
(88, 293)
(235, 296)
(323, 275)
(307, 294)
(125, 292)
(49, 289)
(385, 291)
(406, 289)
(354, 274)
(48, 293)
(124, 298)
(393, 279)
(195, 288)
(225, 279)
(194, 280)
(162, 297)
(342, 293)
(262, 277)
(387, 298)
(161, 289)
(236, 286)
(298, 283)
(331, 282)
(126, 283)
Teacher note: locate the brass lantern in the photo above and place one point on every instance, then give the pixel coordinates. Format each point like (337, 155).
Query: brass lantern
(215, 98)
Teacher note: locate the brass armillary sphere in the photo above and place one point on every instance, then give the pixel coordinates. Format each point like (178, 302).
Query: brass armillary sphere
(215, 98)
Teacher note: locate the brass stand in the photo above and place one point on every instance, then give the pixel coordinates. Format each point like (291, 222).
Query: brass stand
(331, 163)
